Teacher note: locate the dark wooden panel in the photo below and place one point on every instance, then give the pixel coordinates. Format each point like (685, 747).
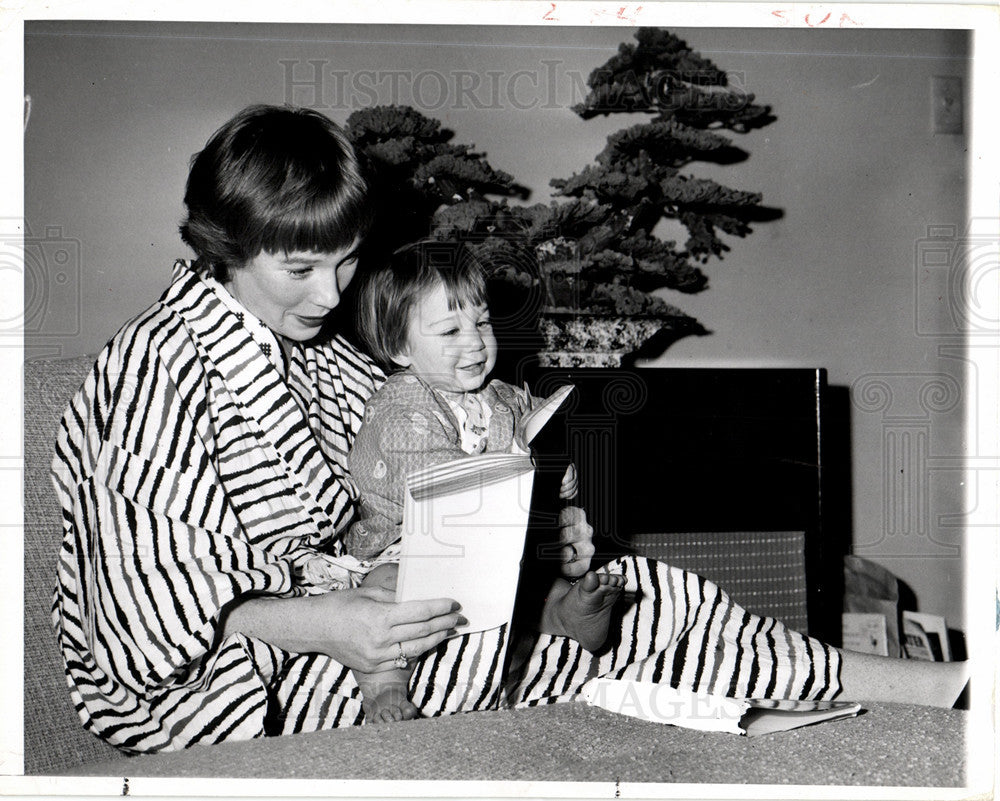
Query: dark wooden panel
(668, 449)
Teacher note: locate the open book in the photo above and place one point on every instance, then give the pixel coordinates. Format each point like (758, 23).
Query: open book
(661, 703)
(537, 416)
(464, 524)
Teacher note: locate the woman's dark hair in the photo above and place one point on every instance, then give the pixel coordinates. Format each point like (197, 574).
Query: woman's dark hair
(386, 294)
(273, 179)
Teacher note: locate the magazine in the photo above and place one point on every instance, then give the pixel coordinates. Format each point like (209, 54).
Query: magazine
(866, 632)
(661, 703)
(925, 637)
(464, 526)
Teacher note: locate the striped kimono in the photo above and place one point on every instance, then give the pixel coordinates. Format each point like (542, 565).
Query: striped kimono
(198, 464)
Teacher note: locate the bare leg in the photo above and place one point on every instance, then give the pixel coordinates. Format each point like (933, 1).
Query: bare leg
(384, 694)
(582, 611)
(865, 677)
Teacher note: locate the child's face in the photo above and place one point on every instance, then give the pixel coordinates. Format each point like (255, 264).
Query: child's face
(450, 349)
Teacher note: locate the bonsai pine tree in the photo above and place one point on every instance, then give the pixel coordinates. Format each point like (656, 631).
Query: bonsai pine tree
(639, 172)
(595, 250)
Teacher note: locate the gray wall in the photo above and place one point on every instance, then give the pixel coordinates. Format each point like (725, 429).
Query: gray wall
(118, 109)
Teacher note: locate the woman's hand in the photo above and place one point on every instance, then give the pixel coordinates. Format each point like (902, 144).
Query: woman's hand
(373, 629)
(577, 538)
(361, 628)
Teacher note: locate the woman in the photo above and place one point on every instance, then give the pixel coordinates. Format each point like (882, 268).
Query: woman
(201, 471)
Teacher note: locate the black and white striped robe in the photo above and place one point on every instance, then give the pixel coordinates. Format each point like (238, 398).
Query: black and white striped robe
(195, 467)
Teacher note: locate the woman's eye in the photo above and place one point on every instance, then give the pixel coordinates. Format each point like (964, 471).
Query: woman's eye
(451, 332)
(485, 323)
(300, 273)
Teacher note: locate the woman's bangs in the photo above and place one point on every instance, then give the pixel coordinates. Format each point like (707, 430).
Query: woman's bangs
(328, 224)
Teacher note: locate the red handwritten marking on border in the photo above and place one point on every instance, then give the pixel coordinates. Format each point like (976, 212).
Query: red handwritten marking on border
(624, 13)
(786, 17)
(821, 22)
(548, 14)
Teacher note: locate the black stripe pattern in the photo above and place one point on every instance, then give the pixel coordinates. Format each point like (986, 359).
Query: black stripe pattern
(683, 630)
(191, 472)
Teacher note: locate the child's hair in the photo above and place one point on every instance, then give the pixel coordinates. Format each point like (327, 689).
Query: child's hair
(273, 178)
(386, 294)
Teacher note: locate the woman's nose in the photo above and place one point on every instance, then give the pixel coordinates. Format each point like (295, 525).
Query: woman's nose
(327, 291)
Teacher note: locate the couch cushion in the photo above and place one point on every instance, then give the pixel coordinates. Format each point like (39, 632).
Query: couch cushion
(54, 738)
(891, 744)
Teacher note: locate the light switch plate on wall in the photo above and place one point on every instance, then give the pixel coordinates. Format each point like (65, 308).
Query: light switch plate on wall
(947, 104)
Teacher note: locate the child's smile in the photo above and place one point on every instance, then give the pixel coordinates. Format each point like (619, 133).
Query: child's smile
(452, 349)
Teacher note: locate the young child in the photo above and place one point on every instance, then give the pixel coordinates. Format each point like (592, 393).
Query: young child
(424, 314)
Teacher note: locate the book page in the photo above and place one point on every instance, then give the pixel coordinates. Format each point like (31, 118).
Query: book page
(535, 419)
(661, 703)
(464, 525)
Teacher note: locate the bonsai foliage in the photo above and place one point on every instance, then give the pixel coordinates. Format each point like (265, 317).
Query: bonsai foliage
(415, 169)
(595, 248)
(639, 172)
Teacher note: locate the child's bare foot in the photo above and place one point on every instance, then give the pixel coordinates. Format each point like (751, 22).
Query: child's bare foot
(389, 706)
(585, 610)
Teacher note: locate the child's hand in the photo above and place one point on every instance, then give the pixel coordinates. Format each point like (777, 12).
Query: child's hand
(570, 485)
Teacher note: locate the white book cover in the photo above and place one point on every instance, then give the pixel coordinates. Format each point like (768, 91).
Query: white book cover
(866, 632)
(464, 524)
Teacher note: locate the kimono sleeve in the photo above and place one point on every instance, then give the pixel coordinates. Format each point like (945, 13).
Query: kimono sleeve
(151, 554)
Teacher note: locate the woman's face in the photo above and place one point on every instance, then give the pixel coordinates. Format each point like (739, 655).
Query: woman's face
(292, 293)
(450, 349)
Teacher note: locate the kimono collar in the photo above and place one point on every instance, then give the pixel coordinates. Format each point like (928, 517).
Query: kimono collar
(259, 331)
(277, 404)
